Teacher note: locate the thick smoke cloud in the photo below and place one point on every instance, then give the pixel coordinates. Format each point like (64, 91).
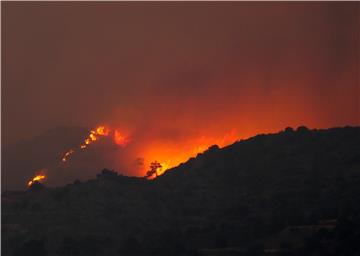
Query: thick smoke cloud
(173, 72)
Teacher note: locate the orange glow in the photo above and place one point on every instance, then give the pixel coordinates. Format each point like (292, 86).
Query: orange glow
(119, 138)
(95, 135)
(102, 130)
(200, 149)
(92, 137)
(171, 155)
(37, 178)
(165, 153)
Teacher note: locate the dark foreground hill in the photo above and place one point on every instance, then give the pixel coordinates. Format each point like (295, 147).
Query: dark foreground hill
(291, 193)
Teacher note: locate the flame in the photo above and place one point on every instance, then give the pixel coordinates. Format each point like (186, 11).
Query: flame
(166, 154)
(37, 178)
(171, 155)
(96, 135)
(102, 130)
(67, 154)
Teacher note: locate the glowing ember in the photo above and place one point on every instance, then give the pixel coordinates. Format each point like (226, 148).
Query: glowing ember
(37, 178)
(67, 154)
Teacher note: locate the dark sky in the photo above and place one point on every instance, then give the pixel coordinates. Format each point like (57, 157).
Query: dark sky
(179, 69)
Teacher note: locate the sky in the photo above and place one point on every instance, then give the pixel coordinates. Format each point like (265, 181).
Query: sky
(178, 72)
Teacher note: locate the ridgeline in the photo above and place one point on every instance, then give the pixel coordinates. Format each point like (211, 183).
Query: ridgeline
(296, 192)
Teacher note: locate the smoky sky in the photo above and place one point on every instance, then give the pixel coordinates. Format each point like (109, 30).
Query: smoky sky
(172, 69)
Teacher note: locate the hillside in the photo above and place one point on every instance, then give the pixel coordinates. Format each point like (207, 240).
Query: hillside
(21, 160)
(239, 200)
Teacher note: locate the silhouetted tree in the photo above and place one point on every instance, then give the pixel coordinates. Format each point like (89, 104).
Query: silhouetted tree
(154, 167)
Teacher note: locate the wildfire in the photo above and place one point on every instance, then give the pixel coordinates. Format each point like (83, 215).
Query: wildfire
(159, 155)
(37, 178)
(95, 135)
(171, 155)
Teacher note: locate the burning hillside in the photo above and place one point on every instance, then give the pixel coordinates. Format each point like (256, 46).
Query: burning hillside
(304, 176)
(38, 178)
(137, 156)
(96, 135)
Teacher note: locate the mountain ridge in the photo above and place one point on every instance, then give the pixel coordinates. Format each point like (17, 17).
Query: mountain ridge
(237, 196)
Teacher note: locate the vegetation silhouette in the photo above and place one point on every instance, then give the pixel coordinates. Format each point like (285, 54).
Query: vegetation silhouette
(154, 167)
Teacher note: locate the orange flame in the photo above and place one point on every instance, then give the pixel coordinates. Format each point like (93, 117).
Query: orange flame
(167, 154)
(37, 178)
(171, 155)
(95, 135)
(67, 154)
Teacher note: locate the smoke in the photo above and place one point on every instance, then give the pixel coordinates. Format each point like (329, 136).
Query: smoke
(169, 74)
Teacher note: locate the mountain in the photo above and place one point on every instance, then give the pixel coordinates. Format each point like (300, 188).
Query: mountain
(289, 193)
